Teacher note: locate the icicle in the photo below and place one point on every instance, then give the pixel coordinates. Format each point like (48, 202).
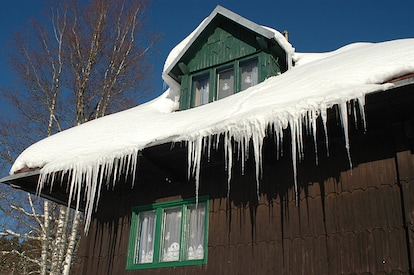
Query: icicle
(101, 177)
(134, 164)
(226, 145)
(313, 126)
(209, 148)
(299, 140)
(257, 133)
(324, 116)
(229, 159)
(293, 133)
(361, 104)
(109, 171)
(72, 186)
(279, 137)
(195, 148)
(344, 120)
(242, 148)
(115, 173)
(354, 111)
(189, 158)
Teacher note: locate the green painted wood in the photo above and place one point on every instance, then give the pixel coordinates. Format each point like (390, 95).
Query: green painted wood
(269, 66)
(223, 45)
(185, 96)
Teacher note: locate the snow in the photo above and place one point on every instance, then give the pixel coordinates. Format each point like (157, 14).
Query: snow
(296, 99)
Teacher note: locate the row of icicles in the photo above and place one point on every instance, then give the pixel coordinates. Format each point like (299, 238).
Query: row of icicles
(87, 181)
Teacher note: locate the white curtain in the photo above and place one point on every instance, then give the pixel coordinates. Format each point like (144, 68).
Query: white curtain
(201, 91)
(171, 235)
(225, 83)
(197, 217)
(145, 246)
(249, 74)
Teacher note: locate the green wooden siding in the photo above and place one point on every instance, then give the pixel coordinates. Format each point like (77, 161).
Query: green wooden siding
(221, 45)
(268, 67)
(185, 95)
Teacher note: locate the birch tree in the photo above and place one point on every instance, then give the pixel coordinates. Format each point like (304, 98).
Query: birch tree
(87, 60)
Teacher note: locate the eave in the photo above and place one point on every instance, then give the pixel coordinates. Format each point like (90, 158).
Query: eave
(27, 181)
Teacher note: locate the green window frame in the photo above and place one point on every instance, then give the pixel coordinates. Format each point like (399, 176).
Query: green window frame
(201, 89)
(224, 80)
(266, 64)
(169, 234)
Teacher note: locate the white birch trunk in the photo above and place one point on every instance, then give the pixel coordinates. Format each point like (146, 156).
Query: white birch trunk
(45, 239)
(59, 241)
(73, 240)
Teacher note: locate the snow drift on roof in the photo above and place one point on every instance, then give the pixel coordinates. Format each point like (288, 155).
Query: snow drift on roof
(301, 94)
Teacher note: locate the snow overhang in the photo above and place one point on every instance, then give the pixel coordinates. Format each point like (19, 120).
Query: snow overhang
(169, 162)
(164, 161)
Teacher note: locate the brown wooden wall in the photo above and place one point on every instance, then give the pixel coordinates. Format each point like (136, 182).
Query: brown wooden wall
(346, 221)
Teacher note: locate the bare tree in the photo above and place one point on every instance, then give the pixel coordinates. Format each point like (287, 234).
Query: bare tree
(88, 60)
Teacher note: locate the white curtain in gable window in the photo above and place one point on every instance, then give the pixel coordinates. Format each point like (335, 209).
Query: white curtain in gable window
(196, 224)
(145, 245)
(201, 90)
(225, 85)
(171, 235)
(249, 75)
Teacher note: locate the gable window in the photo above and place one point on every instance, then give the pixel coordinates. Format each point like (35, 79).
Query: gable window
(249, 74)
(200, 86)
(168, 234)
(225, 83)
(201, 90)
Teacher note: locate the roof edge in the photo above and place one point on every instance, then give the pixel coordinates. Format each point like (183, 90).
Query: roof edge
(11, 178)
(402, 80)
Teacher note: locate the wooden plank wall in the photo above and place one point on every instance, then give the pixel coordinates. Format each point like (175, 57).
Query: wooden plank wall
(346, 221)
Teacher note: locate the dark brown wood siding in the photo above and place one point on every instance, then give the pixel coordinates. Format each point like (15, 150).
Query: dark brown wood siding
(346, 221)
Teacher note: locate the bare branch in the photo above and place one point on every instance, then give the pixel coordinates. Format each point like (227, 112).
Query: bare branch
(87, 61)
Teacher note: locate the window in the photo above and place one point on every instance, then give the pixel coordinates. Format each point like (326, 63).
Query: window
(169, 234)
(201, 90)
(216, 83)
(249, 74)
(225, 83)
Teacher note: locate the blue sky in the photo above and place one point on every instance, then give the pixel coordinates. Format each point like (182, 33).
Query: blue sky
(313, 25)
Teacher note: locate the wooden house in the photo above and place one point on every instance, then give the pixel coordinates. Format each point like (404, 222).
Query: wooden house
(346, 208)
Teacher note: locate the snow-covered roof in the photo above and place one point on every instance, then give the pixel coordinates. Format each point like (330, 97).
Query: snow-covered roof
(316, 83)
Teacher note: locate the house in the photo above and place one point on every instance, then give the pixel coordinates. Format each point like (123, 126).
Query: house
(306, 167)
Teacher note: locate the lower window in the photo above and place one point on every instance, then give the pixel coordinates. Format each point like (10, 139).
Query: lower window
(169, 234)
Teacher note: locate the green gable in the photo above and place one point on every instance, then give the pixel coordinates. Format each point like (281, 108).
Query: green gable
(220, 45)
(225, 48)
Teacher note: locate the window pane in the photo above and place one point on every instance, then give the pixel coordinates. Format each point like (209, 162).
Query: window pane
(225, 85)
(249, 75)
(201, 90)
(145, 239)
(196, 228)
(170, 250)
